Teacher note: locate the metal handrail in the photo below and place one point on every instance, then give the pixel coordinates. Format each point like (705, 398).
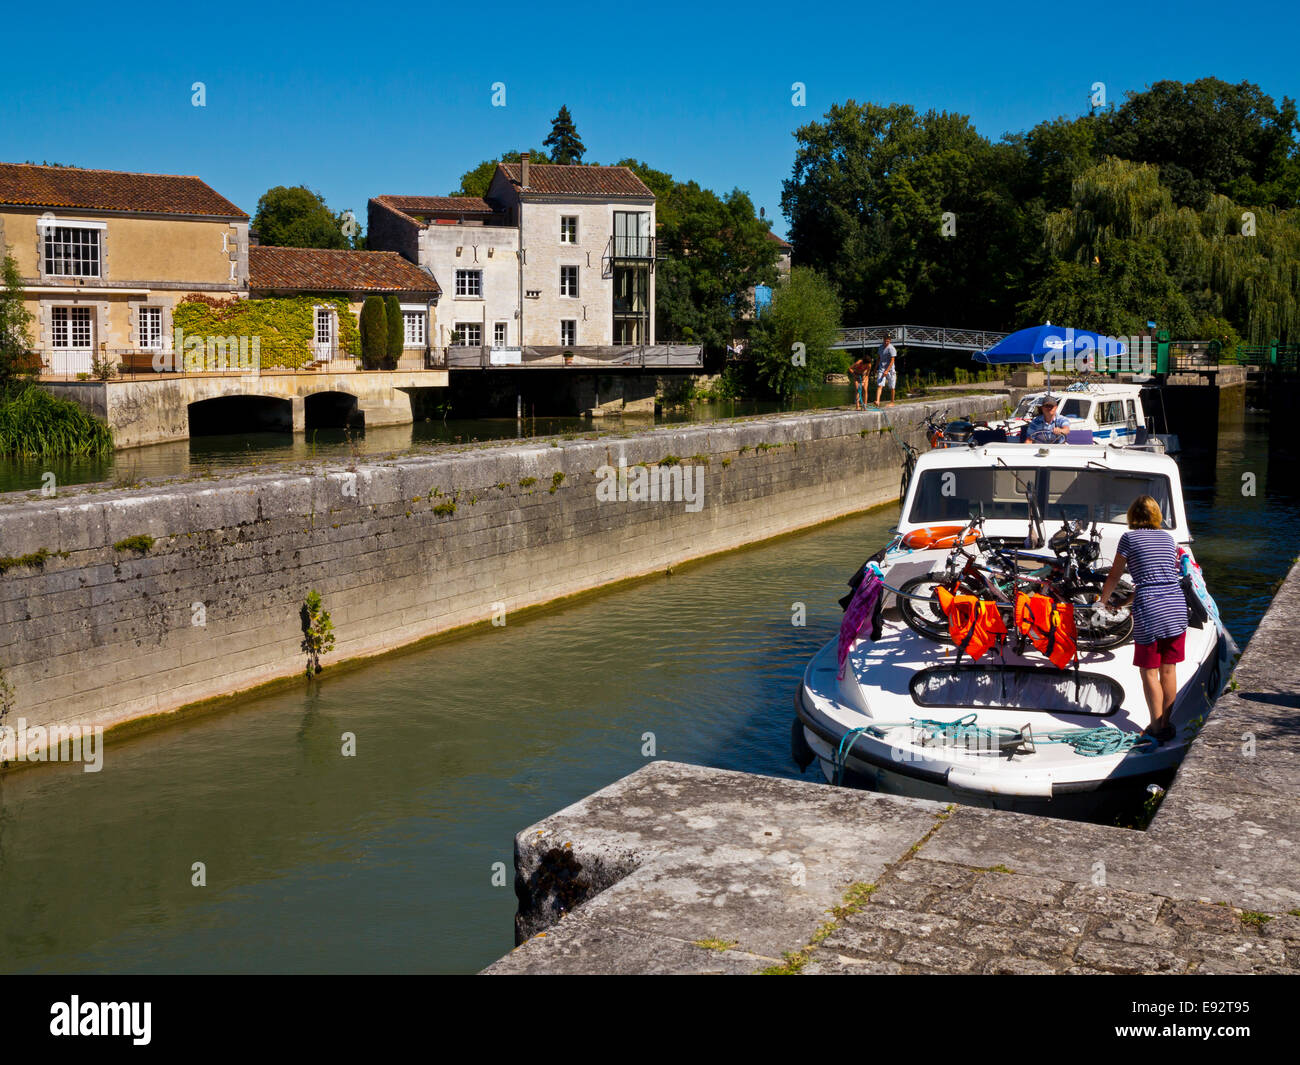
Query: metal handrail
(920, 336)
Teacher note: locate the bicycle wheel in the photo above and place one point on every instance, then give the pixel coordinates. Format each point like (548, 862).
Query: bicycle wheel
(1098, 628)
(923, 616)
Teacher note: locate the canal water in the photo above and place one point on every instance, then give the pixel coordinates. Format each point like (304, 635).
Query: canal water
(384, 862)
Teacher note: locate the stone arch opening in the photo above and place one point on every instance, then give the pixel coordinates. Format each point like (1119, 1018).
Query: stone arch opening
(333, 410)
(224, 415)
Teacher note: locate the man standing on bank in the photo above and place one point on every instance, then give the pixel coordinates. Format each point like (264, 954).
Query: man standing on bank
(886, 372)
(1159, 609)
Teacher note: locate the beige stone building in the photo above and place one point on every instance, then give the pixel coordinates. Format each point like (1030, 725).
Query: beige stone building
(553, 259)
(105, 255)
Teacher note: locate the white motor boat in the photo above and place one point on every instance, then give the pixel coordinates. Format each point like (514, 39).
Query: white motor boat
(1011, 730)
(1112, 412)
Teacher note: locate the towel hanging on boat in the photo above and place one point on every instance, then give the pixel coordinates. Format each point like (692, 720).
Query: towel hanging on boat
(866, 602)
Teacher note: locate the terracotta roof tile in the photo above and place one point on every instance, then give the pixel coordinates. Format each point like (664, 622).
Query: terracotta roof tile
(331, 270)
(577, 180)
(784, 243)
(434, 205)
(111, 190)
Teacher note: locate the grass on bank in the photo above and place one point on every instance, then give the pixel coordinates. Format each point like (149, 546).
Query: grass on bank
(34, 422)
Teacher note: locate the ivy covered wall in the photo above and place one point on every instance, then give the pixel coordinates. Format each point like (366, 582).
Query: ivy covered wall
(285, 325)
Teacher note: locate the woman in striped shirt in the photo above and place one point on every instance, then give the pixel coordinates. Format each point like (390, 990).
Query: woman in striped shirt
(1159, 608)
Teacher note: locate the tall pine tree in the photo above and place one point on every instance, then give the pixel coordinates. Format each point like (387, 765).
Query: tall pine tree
(565, 144)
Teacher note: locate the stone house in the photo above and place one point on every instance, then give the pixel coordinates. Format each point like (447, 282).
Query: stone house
(552, 259)
(104, 255)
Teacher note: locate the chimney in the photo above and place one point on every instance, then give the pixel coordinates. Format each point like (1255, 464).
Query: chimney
(523, 177)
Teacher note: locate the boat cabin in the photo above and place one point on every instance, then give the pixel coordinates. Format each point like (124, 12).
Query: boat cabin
(1092, 483)
(1112, 412)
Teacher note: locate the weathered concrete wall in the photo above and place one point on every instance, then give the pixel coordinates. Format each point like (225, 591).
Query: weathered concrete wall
(399, 550)
(682, 869)
(154, 411)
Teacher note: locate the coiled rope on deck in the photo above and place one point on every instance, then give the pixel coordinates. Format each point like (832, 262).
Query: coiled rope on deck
(1098, 741)
(1086, 742)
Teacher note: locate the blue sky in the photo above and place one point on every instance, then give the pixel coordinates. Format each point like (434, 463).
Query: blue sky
(357, 101)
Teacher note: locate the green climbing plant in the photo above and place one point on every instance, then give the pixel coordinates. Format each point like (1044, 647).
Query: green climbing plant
(317, 631)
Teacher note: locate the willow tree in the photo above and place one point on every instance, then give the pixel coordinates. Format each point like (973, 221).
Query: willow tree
(1124, 252)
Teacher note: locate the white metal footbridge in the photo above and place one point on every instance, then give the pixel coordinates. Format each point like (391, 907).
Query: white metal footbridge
(918, 336)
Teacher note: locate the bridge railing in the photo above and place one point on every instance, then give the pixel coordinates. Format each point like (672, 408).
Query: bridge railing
(927, 336)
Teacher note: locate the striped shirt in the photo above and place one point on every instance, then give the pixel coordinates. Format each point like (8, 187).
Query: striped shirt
(1160, 608)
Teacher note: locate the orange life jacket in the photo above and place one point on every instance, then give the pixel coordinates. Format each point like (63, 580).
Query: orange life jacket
(1049, 625)
(974, 624)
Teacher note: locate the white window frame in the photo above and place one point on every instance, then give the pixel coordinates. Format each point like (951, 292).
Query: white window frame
(572, 273)
(413, 329)
(463, 284)
(500, 334)
(569, 326)
(50, 229)
(463, 329)
(149, 342)
(68, 330)
(569, 229)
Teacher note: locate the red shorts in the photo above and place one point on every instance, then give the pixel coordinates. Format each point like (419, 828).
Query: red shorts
(1162, 652)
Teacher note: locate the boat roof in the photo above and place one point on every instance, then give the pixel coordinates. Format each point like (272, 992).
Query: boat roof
(1090, 388)
(1058, 455)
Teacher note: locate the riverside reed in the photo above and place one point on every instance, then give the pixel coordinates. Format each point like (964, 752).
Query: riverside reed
(33, 422)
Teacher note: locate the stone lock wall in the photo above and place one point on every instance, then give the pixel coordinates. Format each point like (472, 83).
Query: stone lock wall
(97, 634)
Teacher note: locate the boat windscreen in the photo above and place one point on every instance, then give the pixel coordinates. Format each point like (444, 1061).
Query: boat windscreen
(1063, 494)
(1028, 688)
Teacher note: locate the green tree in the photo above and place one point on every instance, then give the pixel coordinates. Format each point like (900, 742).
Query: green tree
(1210, 136)
(914, 216)
(16, 359)
(1124, 252)
(565, 145)
(396, 331)
(475, 182)
(792, 337)
(297, 217)
(374, 333)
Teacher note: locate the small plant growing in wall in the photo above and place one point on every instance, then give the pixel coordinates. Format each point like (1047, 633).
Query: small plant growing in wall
(317, 631)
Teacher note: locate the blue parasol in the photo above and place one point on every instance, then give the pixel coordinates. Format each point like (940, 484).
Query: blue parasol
(1060, 346)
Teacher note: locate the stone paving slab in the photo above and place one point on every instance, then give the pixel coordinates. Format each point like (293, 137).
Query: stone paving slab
(702, 854)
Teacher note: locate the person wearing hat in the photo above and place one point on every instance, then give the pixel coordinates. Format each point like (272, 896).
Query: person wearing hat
(1048, 427)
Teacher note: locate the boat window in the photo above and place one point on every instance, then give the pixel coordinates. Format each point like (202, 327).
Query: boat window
(1102, 495)
(948, 495)
(1131, 408)
(1072, 494)
(1034, 690)
(1026, 408)
(1076, 408)
(1110, 411)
